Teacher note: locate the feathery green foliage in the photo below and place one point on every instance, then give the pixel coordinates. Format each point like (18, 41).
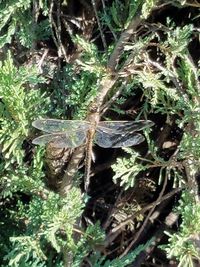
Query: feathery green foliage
(44, 228)
(23, 179)
(19, 100)
(17, 21)
(120, 14)
(47, 222)
(126, 169)
(171, 87)
(81, 89)
(123, 13)
(52, 222)
(91, 60)
(147, 7)
(124, 261)
(184, 245)
(72, 93)
(77, 89)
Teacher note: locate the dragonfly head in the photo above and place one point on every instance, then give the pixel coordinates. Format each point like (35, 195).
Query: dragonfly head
(93, 108)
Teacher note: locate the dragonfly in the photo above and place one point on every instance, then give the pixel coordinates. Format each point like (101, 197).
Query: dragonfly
(74, 133)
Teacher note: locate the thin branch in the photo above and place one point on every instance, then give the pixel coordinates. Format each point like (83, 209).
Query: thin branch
(57, 39)
(52, 23)
(115, 231)
(99, 25)
(147, 218)
(42, 59)
(72, 168)
(58, 30)
(124, 38)
(107, 105)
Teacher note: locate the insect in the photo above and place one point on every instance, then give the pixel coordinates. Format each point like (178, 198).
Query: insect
(74, 133)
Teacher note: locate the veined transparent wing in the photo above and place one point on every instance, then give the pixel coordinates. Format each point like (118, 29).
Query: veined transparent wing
(117, 140)
(120, 133)
(61, 140)
(123, 126)
(55, 126)
(62, 133)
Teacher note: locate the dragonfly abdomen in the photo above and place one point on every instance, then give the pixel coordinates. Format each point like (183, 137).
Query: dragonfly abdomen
(88, 156)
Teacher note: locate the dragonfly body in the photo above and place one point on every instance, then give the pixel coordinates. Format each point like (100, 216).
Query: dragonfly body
(74, 133)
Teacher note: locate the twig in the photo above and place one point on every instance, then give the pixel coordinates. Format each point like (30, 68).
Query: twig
(42, 60)
(58, 41)
(113, 231)
(72, 167)
(52, 23)
(147, 218)
(106, 106)
(112, 210)
(170, 220)
(125, 36)
(99, 25)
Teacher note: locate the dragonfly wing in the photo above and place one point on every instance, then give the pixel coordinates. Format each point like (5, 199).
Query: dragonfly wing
(55, 126)
(118, 140)
(121, 127)
(62, 140)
